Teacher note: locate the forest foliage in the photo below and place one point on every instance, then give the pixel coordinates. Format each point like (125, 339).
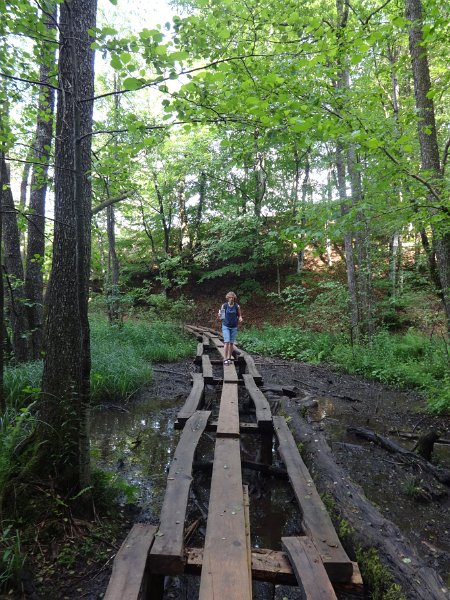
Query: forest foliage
(298, 153)
(238, 141)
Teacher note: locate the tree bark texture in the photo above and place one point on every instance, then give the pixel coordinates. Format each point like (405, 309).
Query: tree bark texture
(34, 279)
(348, 246)
(362, 243)
(429, 149)
(13, 266)
(2, 302)
(113, 269)
(65, 387)
(369, 529)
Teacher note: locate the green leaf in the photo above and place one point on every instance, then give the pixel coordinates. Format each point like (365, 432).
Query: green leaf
(116, 63)
(132, 83)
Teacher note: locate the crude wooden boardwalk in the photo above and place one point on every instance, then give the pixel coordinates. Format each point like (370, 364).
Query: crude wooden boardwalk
(227, 564)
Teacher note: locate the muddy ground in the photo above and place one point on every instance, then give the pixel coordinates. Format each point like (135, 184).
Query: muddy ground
(413, 500)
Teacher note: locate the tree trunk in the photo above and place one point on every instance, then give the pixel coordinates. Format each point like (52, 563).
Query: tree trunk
(429, 149)
(64, 414)
(34, 279)
(14, 271)
(305, 187)
(362, 244)
(260, 177)
(184, 227)
(164, 221)
(348, 247)
(2, 300)
(113, 270)
(199, 213)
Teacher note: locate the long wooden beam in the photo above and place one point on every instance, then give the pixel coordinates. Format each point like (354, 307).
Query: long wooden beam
(316, 521)
(225, 571)
(128, 571)
(167, 556)
(194, 400)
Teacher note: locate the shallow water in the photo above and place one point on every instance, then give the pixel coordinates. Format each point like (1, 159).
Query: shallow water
(139, 444)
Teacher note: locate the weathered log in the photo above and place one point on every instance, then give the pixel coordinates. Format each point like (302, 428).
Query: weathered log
(369, 528)
(425, 444)
(414, 436)
(442, 475)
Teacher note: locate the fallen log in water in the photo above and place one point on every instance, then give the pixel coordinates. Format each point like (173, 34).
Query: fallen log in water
(442, 475)
(369, 529)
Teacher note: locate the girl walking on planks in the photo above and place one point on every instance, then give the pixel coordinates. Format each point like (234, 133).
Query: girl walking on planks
(230, 315)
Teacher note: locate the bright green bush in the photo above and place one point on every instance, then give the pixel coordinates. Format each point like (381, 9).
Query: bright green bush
(404, 360)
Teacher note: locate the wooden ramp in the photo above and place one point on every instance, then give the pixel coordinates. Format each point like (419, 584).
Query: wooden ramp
(227, 564)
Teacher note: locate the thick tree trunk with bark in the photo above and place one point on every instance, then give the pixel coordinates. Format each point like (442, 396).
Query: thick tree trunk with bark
(13, 266)
(429, 149)
(65, 386)
(34, 280)
(2, 302)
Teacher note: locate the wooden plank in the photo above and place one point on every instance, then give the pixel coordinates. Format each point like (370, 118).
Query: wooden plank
(243, 427)
(207, 369)
(166, 555)
(273, 566)
(229, 373)
(262, 406)
(247, 532)
(205, 340)
(316, 521)
(308, 568)
(228, 423)
(129, 565)
(251, 368)
(225, 573)
(194, 400)
(216, 341)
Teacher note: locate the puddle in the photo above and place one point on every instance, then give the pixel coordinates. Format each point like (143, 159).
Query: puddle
(390, 484)
(138, 445)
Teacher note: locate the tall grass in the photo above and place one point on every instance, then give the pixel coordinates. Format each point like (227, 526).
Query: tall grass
(403, 360)
(121, 356)
(121, 359)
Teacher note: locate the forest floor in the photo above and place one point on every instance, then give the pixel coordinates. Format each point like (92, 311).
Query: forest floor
(414, 501)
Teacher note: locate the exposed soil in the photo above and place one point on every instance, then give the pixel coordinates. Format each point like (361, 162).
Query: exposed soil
(416, 502)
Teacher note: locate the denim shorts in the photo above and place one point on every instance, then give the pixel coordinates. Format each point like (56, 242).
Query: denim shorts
(229, 333)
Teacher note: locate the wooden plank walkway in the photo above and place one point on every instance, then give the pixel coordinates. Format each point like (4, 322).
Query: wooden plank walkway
(315, 518)
(262, 406)
(127, 577)
(227, 564)
(308, 568)
(194, 400)
(228, 423)
(166, 555)
(225, 573)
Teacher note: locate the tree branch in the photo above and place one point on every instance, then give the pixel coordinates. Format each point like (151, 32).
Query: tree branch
(32, 81)
(111, 201)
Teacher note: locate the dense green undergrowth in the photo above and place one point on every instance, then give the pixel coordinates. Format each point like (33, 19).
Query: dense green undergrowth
(403, 360)
(121, 359)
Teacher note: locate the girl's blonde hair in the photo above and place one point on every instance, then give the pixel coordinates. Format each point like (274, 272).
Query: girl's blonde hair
(231, 295)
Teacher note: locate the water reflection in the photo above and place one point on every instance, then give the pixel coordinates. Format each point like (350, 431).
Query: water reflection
(139, 445)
